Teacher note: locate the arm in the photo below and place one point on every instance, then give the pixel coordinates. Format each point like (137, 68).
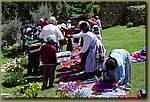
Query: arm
(86, 44)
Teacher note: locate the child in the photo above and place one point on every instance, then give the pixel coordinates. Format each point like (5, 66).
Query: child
(48, 58)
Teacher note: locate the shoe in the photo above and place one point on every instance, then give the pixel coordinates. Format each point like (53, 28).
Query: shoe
(43, 88)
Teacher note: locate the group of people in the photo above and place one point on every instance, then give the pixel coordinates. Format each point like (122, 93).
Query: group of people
(45, 40)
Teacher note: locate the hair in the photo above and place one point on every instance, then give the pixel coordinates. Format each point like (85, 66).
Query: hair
(111, 63)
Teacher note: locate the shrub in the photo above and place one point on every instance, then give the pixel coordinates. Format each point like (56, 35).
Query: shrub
(129, 25)
(12, 79)
(10, 30)
(6, 49)
(24, 62)
(43, 11)
(29, 91)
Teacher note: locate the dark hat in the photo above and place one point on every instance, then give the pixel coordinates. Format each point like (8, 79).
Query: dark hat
(84, 25)
(111, 63)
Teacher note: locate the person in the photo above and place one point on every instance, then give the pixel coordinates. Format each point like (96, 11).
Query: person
(51, 29)
(23, 33)
(118, 67)
(33, 59)
(48, 58)
(95, 28)
(44, 22)
(98, 22)
(89, 51)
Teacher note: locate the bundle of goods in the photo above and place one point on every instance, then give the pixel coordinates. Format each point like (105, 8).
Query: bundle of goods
(74, 57)
(34, 47)
(138, 56)
(63, 56)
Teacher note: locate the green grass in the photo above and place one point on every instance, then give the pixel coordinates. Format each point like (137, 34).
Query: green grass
(131, 39)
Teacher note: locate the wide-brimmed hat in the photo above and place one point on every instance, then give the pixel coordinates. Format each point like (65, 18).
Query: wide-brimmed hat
(53, 20)
(92, 20)
(28, 30)
(69, 21)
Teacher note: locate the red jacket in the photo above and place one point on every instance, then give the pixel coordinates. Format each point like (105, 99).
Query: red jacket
(48, 54)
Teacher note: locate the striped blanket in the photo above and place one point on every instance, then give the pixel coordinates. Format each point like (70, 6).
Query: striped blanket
(138, 56)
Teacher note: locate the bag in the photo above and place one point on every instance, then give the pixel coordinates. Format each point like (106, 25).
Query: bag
(63, 56)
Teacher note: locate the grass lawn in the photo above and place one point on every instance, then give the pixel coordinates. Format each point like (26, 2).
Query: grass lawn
(131, 39)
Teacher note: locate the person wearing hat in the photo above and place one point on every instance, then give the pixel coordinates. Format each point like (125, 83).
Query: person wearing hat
(98, 22)
(95, 28)
(48, 58)
(32, 48)
(118, 67)
(51, 29)
(89, 51)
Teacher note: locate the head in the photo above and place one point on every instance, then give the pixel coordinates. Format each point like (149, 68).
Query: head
(51, 39)
(52, 20)
(69, 21)
(29, 31)
(63, 26)
(84, 26)
(111, 63)
(92, 21)
(97, 17)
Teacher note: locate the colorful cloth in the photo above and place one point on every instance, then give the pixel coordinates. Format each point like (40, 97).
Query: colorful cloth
(138, 56)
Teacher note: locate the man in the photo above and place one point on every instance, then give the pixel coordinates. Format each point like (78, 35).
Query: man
(32, 50)
(118, 67)
(51, 29)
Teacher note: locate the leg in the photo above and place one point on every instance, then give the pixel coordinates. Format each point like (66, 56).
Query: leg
(45, 76)
(51, 75)
(30, 64)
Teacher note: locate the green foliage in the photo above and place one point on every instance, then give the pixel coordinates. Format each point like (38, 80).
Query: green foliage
(30, 90)
(12, 79)
(24, 62)
(6, 49)
(10, 30)
(130, 24)
(89, 8)
(96, 9)
(43, 11)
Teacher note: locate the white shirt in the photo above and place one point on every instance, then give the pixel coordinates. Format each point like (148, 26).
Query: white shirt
(87, 38)
(51, 29)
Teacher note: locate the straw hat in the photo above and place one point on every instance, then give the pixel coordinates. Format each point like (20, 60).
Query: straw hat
(52, 20)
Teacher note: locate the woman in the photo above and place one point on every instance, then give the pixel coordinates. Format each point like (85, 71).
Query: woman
(118, 67)
(90, 46)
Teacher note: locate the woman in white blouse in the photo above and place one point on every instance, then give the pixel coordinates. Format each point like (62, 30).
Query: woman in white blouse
(90, 46)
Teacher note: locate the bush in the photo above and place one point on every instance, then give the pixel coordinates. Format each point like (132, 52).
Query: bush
(10, 30)
(12, 79)
(24, 62)
(129, 25)
(43, 11)
(6, 49)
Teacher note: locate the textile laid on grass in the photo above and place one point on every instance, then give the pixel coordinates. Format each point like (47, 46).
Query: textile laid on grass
(91, 88)
(138, 56)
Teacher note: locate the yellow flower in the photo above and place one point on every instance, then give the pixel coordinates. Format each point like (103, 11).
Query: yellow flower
(17, 87)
